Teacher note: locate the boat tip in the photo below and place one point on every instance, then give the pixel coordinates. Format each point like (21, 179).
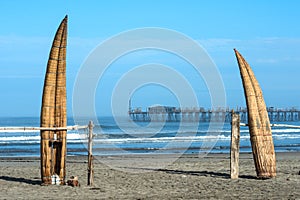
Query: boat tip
(236, 51)
(65, 19)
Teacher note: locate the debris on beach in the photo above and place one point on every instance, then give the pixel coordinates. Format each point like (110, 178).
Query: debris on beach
(73, 181)
(55, 180)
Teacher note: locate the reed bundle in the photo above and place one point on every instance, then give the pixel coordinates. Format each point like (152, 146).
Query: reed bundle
(258, 122)
(53, 110)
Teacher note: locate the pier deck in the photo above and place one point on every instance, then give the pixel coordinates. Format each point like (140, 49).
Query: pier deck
(173, 114)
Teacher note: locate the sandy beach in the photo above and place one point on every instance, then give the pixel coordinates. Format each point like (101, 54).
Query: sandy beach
(189, 177)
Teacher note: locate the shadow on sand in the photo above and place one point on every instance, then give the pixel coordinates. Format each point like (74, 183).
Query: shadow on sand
(204, 173)
(21, 180)
(198, 173)
(195, 173)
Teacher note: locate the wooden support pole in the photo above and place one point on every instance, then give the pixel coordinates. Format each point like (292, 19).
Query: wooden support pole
(235, 145)
(90, 180)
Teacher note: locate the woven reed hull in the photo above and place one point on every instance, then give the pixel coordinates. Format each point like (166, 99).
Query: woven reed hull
(53, 110)
(258, 121)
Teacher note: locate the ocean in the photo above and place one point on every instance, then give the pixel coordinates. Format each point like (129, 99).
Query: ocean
(115, 137)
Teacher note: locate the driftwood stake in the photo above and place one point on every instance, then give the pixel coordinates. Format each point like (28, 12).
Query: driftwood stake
(235, 145)
(90, 156)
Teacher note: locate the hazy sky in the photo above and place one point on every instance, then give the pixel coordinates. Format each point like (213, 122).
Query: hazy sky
(267, 34)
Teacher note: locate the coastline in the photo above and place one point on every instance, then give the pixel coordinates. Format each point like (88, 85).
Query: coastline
(188, 177)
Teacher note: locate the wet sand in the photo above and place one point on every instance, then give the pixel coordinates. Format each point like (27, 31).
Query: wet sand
(154, 177)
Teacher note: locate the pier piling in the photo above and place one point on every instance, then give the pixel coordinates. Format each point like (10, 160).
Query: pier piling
(173, 114)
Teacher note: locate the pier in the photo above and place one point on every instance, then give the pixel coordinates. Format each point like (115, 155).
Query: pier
(174, 114)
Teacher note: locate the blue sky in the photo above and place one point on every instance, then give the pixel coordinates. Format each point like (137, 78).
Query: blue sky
(267, 33)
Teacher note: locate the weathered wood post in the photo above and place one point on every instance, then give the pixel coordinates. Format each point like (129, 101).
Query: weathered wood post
(90, 180)
(235, 145)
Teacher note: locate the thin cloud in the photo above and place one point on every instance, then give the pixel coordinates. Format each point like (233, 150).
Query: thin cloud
(272, 50)
(21, 77)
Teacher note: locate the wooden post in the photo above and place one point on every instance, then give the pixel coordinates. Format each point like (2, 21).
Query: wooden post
(90, 180)
(235, 145)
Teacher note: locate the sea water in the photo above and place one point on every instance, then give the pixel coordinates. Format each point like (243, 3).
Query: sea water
(114, 138)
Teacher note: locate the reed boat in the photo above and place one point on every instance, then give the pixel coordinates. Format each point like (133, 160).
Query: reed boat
(53, 110)
(258, 122)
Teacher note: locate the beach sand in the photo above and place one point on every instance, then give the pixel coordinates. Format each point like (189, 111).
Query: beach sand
(189, 177)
